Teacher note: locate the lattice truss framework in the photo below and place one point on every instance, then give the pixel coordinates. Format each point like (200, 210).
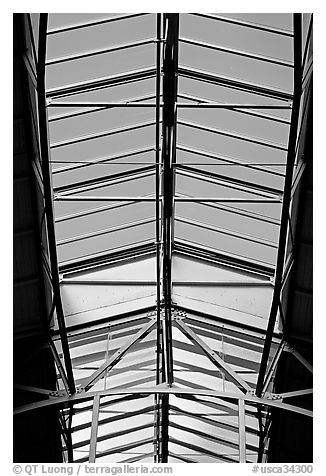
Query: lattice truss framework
(164, 150)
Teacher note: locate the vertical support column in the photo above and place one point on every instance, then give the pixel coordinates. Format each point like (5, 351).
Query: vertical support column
(157, 204)
(94, 428)
(164, 339)
(242, 431)
(291, 155)
(43, 128)
(159, 335)
(164, 434)
(168, 152)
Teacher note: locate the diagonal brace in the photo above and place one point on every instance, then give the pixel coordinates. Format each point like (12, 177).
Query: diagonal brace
(116, 357)
(236, 379)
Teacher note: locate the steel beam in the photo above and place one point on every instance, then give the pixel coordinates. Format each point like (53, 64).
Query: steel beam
(170, 66)
(42, 115)
(201, 450)
(99, 198)
(296, 393)
(213, 356)
(103, 105)
(182, 458)
(101, 83)
(73, 165)
(94, 429)
(273, 365)
(213, 255)
(246, 24)
(87, 212)
(232, 135)
(231, 83)
(144, 391)
(230, 161)
(204, 104)
(230, 182)
(242, 53)
(286, 201)
(116, 434)
(104, 181)
(99, 135)
(242, 431)
(117, 356)
(92, 198)
(119, 449)
(225, 231)
(210, 436)
(105, 231)
(158, 207)
(103, 21)
(105, 421)
(228, 200)
(88, 54)
(90, 110)
(245, 213)
(202, 417)
(164, 429)
(298, 356)
(31, 389)
(152, 282)
(251, 110)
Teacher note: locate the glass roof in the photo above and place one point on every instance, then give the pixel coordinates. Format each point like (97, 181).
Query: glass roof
(102, 156)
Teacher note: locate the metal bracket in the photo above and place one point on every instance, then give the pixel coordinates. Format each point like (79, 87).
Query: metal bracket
(178, 314)
(58, 394)
(273, 396)
(288, 348)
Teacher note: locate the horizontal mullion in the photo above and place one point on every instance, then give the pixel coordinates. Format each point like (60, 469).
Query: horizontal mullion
(232, 51)
(115, 434)
(201, 451)
(105, 255)
(230, 182)
(72, 198)
(105, 231)
(225, 231)
(230, 161)
(200, 105)
(90, 109)
(118, 449)
(91, 211)
(104, 181)
(239, 108)
(244, 260)
(78, 26)
(101, 104)
(88, 54)
(232, 135)
(232, 83)
(99, 135)
(105, 160)
(255, 26)
(268, 164)
(245, 213)
(101, 83)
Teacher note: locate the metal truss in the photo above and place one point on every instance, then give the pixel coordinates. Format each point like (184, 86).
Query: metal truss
(285, 230)
(67, 374)
(246, 399)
